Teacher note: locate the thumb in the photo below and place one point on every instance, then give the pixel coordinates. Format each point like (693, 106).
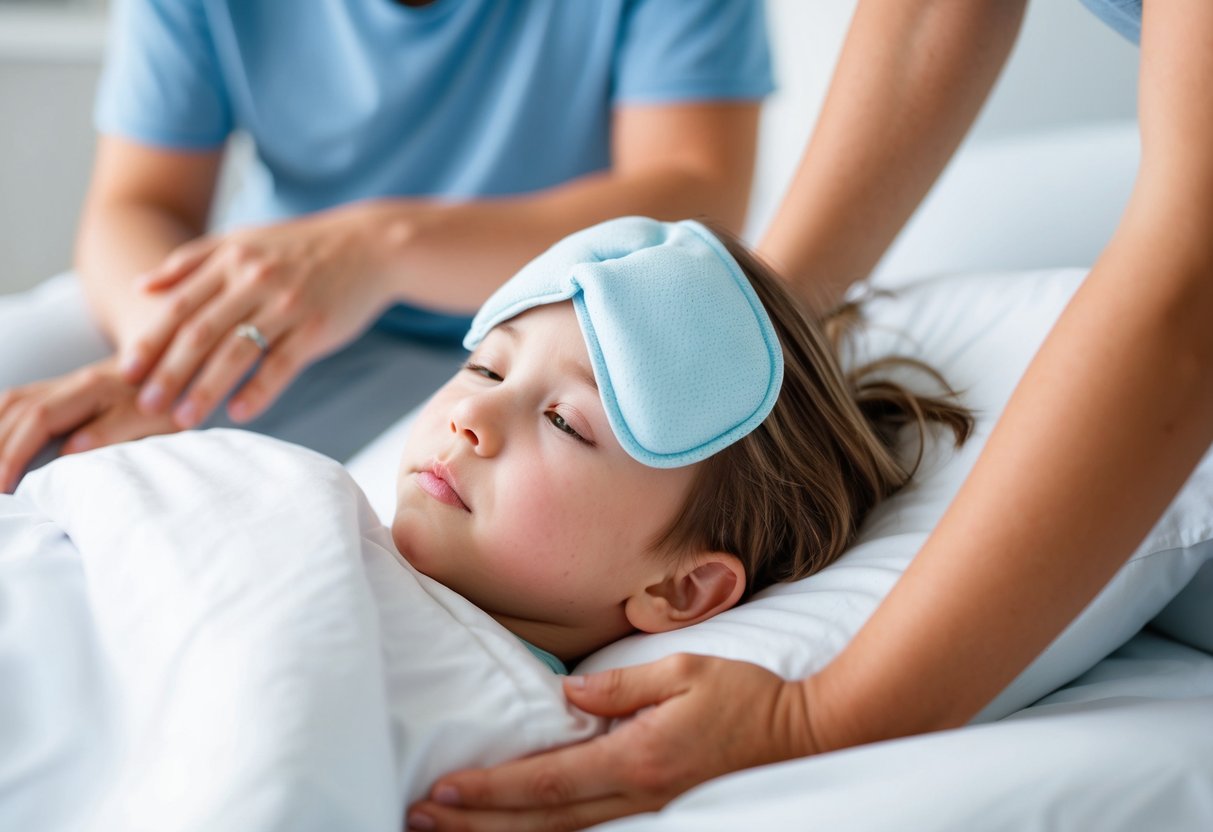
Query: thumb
(626, 690)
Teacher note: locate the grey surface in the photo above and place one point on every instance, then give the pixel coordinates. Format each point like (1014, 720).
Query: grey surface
(46, 149)
(343, 402)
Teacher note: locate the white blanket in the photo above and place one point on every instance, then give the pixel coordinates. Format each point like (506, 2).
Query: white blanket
(213, 631)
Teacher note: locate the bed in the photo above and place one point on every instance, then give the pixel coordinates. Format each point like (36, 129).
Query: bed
(259, 658)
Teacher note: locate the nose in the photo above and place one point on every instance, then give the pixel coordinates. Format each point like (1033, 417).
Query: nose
(474, 419)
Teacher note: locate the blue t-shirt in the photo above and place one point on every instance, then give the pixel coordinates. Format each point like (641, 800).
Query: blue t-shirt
(455, 99)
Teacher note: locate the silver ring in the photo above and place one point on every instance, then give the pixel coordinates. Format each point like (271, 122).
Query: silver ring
(251, 332)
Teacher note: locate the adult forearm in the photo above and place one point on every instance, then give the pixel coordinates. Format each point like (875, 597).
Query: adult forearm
(453, 256)
(1106, 425)
(1108, 422)
(909, 83)
(116, 243)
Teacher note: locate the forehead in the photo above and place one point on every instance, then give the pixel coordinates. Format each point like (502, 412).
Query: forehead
(552, 331)
(553, 327)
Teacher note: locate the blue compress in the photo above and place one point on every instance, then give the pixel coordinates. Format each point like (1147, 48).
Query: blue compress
(686, 358)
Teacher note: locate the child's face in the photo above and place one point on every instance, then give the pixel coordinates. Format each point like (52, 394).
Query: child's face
(514, 491)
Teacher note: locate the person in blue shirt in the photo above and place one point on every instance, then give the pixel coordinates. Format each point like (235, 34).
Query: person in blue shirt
(1110, 419)
(407, 158)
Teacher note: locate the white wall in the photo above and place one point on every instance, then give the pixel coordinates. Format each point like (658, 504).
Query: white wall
(49, 57)
(1067, 68)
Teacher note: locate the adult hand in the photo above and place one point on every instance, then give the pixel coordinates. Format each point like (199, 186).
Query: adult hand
(309, 286)
(94, 405)
(703, 717)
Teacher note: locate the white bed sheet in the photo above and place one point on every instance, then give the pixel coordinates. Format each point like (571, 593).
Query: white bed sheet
(211, 631)
(1127, 747)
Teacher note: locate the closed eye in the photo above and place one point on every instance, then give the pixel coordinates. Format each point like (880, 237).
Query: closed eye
(481, 370)
(563, 426)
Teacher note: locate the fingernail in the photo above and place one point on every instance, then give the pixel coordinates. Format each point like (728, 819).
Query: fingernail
(239, 411)
(186, 415)
(446, 795)
(132, 365)
(417, 820)
(575, 682)
(151, 397)
(79, 442)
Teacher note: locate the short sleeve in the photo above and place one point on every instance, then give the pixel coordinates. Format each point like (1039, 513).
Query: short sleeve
(674, 50)
(162, 83)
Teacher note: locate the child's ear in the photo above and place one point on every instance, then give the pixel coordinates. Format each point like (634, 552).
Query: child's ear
(701, 586)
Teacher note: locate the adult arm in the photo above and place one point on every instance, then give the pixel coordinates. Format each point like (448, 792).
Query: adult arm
(313, 284)
(909, 83)
(668, 161)
(142, 203)
(1110, 419)
(1108, 422)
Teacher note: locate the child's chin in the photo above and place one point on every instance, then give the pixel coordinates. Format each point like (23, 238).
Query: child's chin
(403, 535)
(410, 544)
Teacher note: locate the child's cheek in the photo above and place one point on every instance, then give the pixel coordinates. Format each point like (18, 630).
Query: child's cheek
(545, 519)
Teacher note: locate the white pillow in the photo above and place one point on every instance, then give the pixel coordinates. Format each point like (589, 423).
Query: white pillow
(1189, 618)
(980, 331)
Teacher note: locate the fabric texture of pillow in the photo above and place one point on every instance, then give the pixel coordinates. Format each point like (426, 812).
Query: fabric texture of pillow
(980, 331)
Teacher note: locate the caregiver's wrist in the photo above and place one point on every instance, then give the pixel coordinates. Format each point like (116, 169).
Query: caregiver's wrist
(842, 713)
(824, 724)
(386, 233)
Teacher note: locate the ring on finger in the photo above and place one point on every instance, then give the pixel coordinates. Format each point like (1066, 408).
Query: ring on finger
(252, 333)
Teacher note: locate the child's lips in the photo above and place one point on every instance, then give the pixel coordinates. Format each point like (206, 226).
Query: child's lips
(438, 483)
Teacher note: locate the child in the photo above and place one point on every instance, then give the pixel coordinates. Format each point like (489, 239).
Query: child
(648, 431)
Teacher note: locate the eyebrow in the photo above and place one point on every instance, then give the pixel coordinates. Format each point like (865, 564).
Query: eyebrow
(582, 373)
(574, 368)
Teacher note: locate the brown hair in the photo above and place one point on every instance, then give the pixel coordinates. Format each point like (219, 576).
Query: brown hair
(788, 498)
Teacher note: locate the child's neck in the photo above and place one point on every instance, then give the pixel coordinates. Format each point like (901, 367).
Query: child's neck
(566, 643)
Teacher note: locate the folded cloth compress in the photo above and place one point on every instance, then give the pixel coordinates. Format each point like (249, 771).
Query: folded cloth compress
(686, 359)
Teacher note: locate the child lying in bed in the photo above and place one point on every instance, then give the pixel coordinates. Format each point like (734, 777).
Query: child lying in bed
(648, 431)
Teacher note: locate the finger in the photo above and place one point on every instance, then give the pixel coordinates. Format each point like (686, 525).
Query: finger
(573, 774)
(38, 423)
(10, 411)
(141, 354)
(79, 441)
(231, 361)
(10, 406)
(191, 346)
(435, 816)
(179, 263)
(624, 691)
(114, 425)
(279, 367)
